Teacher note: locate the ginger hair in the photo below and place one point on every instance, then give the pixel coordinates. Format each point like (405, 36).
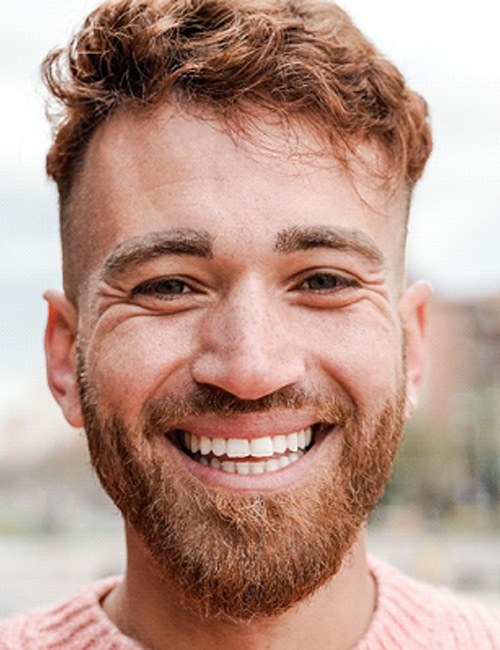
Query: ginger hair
(292, 58)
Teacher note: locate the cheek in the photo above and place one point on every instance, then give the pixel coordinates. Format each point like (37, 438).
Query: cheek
(134, 360)
(362, 355)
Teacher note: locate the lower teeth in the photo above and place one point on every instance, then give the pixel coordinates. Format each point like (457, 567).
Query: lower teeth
(251, 467)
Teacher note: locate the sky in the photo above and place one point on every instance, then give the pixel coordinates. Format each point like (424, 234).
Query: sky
(448, 51)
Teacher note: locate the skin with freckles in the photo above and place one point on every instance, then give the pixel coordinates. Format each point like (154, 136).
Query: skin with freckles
(239, 288)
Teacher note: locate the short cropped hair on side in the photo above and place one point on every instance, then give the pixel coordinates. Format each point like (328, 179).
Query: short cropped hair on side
(292, 58)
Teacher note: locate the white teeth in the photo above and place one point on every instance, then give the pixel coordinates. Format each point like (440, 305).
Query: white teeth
(272, 465)
(205, 446)
(293, 441)
(237, 448)
(243, 468)
(219, 447)
(266, 446)
(284, 461)
(195, 444)
(257, 468)
(260, 447)
(279, 443)
(215, 463)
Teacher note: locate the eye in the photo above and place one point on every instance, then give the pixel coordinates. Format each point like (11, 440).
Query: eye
(327, 282)
(163, 288)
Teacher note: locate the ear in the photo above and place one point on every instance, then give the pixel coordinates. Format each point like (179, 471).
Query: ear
(60, 354)
(413, 310)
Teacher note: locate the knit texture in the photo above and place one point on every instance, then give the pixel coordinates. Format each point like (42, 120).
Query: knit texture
(409, 616)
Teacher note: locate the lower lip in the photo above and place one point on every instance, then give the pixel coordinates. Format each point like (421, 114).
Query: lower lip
(270, 481)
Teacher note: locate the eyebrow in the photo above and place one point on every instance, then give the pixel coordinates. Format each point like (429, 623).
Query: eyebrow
(302, 238)
(136, 251)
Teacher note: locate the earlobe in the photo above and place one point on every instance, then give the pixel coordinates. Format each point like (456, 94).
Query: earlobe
(60, 354)
(413, 311)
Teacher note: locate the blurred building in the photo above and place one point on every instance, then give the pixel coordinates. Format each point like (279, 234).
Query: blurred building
(458, 423)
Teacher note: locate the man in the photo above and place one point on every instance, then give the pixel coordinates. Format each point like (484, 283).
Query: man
(236, 334)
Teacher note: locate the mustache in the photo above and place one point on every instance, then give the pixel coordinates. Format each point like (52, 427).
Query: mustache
(162, 414)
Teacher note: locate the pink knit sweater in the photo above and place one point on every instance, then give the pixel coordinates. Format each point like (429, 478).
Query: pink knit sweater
(409, 616)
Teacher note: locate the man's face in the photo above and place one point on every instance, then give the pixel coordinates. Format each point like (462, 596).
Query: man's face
(242, 329)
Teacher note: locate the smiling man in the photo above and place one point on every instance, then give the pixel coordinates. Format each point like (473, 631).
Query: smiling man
(236, 334)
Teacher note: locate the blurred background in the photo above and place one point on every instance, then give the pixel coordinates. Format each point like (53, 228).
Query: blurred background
(440, 518)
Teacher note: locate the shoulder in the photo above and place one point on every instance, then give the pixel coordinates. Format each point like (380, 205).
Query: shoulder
(417, 615)
(73, 624)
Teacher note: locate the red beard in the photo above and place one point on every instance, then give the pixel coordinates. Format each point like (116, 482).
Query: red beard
(243, 556)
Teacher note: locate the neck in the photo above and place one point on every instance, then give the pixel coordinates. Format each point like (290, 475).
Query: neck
(334, 617)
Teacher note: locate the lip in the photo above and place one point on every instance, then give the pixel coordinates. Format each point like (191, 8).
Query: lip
(251, 425)
(260, 483)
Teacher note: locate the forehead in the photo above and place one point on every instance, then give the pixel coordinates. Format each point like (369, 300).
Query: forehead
(149, 173)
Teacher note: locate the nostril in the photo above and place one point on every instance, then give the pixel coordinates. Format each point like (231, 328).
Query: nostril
(248, 377)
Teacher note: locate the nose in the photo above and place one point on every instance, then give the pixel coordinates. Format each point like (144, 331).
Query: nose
(247, 346)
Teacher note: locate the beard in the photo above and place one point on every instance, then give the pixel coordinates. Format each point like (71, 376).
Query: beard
(243, 556)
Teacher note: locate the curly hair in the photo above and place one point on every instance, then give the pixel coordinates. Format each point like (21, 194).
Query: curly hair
(294, 58)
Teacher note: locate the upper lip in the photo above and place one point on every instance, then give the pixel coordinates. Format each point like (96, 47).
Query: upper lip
(248, 425)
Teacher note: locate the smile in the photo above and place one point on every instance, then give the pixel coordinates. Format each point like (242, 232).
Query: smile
(245, 456)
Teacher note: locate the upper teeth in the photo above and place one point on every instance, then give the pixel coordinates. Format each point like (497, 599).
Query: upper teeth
(263, 447)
